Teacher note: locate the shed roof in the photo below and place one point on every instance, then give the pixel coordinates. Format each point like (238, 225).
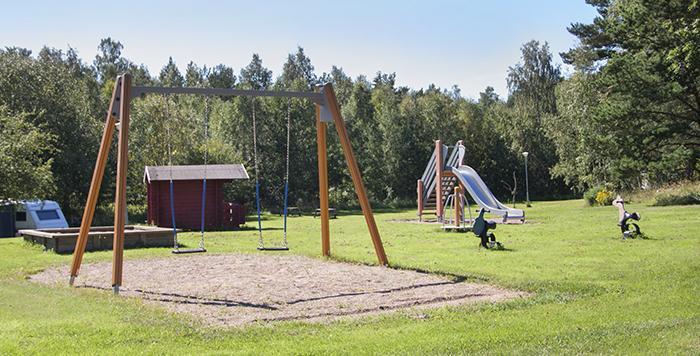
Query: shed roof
(196, 172)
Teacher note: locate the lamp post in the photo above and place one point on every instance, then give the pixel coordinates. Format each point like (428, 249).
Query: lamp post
(527, 191)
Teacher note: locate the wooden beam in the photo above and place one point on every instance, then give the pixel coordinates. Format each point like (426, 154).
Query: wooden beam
(323, 183)
(334, 108)
(120, 196)
(139, 91)
(439, 165)
(95, 183)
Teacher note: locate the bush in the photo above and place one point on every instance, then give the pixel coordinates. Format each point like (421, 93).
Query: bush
(604, 197)
(598, 196)
(137, 213)
(104, 214)
(685, 193)
(589, 196)
(684, 199)
(342, 197)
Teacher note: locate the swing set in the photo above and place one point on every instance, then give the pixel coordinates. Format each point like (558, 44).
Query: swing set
(327, 110)
(176, 244)
(261, 241)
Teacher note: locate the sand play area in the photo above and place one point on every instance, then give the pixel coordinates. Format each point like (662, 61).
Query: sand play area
(238, 289)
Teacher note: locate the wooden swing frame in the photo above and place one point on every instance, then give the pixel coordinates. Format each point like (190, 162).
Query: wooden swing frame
(327, 110)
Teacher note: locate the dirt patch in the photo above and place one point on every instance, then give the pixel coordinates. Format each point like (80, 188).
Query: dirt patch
(238, 289)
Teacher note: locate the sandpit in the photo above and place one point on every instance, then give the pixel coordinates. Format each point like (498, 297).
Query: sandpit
(239, 289)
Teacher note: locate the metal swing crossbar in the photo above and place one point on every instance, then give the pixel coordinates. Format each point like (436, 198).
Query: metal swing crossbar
(318, 98)
(117, 120)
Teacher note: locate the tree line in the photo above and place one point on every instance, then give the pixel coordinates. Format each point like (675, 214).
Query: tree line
(627, 117)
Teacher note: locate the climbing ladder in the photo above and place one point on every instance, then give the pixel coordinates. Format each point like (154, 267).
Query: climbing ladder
(427, 184)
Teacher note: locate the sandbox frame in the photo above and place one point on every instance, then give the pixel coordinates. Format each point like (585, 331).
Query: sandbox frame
(327, 110)
(64, 240)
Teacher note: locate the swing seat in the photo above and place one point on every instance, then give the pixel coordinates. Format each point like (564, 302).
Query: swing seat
(280, 248)
(189, 250)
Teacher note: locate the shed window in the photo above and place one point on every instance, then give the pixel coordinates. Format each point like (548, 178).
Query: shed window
(21, 216)
(47, 214)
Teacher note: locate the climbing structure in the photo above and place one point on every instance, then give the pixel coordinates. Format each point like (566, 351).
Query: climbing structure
(430, 199)
(439, 180)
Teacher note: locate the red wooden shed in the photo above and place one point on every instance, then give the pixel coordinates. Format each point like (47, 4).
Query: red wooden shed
(187, 193)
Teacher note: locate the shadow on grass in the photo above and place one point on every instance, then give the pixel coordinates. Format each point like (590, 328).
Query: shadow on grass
(255, 228)
(642, 237)
(498, 249)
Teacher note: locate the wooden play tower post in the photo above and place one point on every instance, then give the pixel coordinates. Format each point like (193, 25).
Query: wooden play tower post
(439, 165)
(327, 110)
(457, 198)
(420, 189)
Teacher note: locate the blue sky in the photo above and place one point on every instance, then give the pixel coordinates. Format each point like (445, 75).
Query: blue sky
(467, 43)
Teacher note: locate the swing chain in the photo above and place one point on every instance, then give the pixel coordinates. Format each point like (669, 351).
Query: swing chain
(261, 243)
(167, 132)
(286, 173)
(255, 142)
(289, 125)
(176, 245)
(206, 134)
(206, 158)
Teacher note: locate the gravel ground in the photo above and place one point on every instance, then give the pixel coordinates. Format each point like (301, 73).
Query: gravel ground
(238, 289)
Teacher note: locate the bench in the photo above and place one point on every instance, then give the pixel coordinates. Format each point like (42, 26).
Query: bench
(291, 210)
(331, 212)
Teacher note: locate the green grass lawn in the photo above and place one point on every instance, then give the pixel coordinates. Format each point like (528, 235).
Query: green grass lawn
(592, 292)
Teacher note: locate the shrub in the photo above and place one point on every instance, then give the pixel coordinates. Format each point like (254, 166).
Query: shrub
(685, 193)
(342, 197)
(589, 196)
(604, 197)
(598, 196)
(104, 214)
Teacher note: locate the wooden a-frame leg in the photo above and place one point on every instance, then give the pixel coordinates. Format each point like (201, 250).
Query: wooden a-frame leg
(120, 196)
(323, 184)
(355, 174)
(93, 194)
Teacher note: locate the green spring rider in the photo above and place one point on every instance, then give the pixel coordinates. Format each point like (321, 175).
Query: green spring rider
(481, 230)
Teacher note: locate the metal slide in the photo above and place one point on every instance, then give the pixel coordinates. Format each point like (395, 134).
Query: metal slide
(482, 195)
